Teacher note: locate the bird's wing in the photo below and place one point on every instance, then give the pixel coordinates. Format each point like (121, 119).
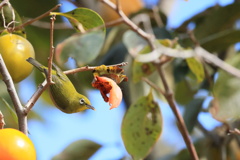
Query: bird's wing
(60, 73)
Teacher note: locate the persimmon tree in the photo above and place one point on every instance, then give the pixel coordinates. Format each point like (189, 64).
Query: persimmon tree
(173, 66)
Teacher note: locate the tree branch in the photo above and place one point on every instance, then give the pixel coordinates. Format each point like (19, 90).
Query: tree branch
(158, 89)
(181, 124)
(149, 38)
(91, 68)
(22, 117)
(48, 81)
(37, 18)
(168, 93)
(50, 59)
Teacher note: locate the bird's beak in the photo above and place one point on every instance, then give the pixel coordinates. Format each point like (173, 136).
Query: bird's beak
(90, 107)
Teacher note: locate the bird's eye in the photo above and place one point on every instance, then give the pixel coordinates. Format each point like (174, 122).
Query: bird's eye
(81, 101)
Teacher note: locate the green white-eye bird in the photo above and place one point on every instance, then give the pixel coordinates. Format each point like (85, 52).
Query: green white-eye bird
(63, 93)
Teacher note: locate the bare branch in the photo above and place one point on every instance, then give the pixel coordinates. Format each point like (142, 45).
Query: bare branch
(37, 18)
(158, 89)
(42, 87)
(150, 38)
(181, 125)
(31, 102)
(168, 93)
(22, 117)
(50, 59)
(47, 25)
(88, 68)
(48, 81)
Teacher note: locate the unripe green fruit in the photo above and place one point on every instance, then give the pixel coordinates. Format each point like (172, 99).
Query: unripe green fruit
(15, 50)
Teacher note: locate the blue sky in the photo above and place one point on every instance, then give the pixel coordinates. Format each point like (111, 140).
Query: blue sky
(103, 125)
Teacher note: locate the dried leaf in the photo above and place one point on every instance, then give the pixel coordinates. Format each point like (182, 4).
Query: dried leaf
(197, 68)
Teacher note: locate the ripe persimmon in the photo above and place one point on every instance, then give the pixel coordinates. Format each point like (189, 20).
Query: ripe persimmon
(14, 145)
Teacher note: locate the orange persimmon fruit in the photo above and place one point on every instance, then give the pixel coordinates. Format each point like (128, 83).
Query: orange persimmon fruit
(14, 145)
(108, 86)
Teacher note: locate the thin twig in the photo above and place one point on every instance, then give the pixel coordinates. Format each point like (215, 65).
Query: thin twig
(168, 93)
(181, 124)
(157, 16)
(37, 18)
(107, 25)
(31, 102)
(50, 59)
(47, 25)
(22, 117)
(88, 68)
(154, 86)
(42, 87)
(48, 81)
(127, 21)
(2, 123)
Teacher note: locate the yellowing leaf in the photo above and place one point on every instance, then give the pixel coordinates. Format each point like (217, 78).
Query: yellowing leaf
(197, 68)
(141, 127)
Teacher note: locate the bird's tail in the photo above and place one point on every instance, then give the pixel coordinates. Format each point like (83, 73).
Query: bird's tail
(36, 64)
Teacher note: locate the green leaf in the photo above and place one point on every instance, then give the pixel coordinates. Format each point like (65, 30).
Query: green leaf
(35, 115)
(191, 113)
(10, 109)
(197, 68)
(85, 47)
(9, 18)
(133, 42)
(221, 40)
(141, 127)
(83, 19)
(219, 19)
(180, 69)
(226, 92)
(140, 69)
(215, 27)
(81, 149)
(183, 92)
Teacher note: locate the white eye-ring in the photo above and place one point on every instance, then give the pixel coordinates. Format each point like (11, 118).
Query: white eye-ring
(81, 101)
